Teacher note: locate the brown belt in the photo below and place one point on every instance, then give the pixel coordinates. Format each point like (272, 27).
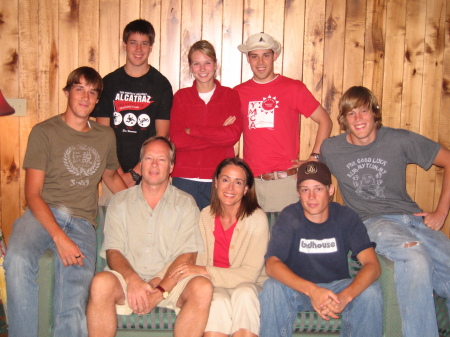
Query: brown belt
(277, 174)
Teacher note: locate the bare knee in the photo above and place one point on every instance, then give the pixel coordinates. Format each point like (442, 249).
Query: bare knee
(198, 289)
(105, 286)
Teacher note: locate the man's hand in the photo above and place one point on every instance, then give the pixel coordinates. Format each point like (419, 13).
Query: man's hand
(68, 251)
(321, 299)
(433, 220)
(333, 308)
(140, 295)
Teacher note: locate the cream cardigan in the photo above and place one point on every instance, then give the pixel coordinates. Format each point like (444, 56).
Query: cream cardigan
(247, 248)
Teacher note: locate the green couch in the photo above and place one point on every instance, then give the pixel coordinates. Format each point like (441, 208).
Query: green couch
(160, 322)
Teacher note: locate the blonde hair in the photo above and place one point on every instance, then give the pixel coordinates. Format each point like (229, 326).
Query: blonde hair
(205, 47)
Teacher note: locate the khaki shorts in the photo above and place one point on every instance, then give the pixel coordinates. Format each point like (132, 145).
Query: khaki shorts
(170, 302)
(274, 195)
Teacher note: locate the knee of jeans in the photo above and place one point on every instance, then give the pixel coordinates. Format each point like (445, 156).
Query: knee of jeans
(374, 291)
(16, 261)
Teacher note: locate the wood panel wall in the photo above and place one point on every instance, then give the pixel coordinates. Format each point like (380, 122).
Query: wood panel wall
(400, 49)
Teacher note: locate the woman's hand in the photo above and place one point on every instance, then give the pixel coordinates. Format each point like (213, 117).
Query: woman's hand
(185, 270)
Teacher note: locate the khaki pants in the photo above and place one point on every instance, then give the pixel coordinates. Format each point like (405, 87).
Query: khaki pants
(234, 309)
(274, 195)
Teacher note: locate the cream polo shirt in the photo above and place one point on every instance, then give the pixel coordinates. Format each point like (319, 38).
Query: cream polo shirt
(151, 239)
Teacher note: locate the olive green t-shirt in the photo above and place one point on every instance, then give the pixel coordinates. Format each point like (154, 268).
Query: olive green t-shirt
(73, 162)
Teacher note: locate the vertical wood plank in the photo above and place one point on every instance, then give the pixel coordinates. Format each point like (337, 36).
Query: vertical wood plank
(294, 31)
(431, 102)
(109, 37)
(212, 23)
(391, 100)
(89, 33)
(28, 65)
(312, 67)
(231, 66)
(170, 41)
(444, 117)
(374, 46)
(413, 76)
(66, 43)
(333, 64)
(191, 32)
(354, 43)
(9, 152)
(151, 11)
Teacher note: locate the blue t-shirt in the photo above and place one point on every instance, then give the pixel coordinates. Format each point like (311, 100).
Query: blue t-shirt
(318, 252)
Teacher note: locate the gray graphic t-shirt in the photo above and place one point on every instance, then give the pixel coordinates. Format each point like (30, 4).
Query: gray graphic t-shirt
(372, 178)
(73, 162)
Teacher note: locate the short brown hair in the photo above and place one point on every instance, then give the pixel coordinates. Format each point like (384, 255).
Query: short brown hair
(354, 98)
(90, 75)
(205, 47)
(139, 26)
(249, 202)
(163, 139)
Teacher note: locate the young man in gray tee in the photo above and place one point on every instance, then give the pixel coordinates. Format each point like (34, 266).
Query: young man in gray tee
(369, 162)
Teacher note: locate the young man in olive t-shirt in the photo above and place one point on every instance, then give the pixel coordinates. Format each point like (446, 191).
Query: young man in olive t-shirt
(67, 156)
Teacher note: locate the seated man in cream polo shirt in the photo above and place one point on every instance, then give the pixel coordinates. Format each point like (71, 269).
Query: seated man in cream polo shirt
(150, 229)
(271, 105)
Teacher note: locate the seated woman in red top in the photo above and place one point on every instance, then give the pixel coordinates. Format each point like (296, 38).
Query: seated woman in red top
(205, 123)
(235, 233)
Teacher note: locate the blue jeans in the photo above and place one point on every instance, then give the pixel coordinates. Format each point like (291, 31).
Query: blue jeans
(200, 190)
(280, 304)
(418, 268)
(27, 244)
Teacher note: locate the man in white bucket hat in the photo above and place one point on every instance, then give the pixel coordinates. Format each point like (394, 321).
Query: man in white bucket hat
(271, 104)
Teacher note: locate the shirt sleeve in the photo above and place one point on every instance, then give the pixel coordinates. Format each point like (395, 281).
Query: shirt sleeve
(37, 155)
(420, 150)
(305, 102)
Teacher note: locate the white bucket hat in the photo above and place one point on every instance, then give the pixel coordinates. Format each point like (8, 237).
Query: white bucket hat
(260, 41)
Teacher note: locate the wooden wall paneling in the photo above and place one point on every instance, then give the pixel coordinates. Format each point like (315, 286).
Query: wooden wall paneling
(151, 11)
(375, 46)
(253, 23)
(355, 23)
(88, 35)
(67, 46)
(212, 23)
(431, 98)
(191, 32)
(314, 41)
(413, 77)
(170, 41)
(52, 100)
(333, 63)
(294, 31)
(9, 84)
(444, 118)
(109, 37)
(28, 75)
(391, 100)
(333, 59)
(230, 60)
(130, 10)
(274, 26)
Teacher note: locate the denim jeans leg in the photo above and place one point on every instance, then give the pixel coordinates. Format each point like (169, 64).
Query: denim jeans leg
(437, 245)
(413, 271)
(278, 309)
(200, 190)
(26, 245)
(72, 283)
(364, 315)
